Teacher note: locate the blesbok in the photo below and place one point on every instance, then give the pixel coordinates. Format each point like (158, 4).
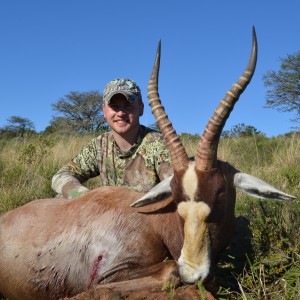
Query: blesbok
(52, 248)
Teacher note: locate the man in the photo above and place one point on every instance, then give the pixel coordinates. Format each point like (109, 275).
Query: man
(129, 155)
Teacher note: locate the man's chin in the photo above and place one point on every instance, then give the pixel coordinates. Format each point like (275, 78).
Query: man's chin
(122, 129)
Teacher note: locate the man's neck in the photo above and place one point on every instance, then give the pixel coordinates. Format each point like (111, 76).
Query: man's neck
(125, 142)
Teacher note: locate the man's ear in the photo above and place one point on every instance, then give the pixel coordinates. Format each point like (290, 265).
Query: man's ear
(103, 109)
(141, 107)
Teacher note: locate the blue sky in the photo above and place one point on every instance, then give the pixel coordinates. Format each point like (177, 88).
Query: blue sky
(49, 48)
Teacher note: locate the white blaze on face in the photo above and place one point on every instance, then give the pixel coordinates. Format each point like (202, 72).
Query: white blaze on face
(194, 261)
(190, 182)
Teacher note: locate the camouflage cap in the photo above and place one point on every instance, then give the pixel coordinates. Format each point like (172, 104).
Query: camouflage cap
(123, 86)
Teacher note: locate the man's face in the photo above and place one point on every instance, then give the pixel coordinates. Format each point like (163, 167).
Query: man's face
(123, 116)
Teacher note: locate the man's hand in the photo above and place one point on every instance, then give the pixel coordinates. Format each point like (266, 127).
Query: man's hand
(78, 191)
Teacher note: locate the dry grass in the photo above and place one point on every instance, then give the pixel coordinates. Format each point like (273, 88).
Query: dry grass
(27, 166)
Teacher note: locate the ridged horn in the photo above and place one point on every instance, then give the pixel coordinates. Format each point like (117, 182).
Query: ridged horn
(178, 154)
(206, 157)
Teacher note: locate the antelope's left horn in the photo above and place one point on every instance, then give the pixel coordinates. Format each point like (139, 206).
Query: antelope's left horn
(206, 157)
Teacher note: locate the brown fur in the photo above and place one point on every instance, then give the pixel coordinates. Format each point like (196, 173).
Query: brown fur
(217, 191)
(36, 264)
(46, 246)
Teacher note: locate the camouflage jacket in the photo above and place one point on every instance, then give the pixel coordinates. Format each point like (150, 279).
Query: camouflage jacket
(142, 167)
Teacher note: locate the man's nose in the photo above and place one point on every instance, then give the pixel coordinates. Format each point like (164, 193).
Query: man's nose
(121, 112)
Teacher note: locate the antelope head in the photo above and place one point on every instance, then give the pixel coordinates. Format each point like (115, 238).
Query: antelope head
(204, 189)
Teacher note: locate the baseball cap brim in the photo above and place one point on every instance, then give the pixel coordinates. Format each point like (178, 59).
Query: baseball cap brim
(132, 98)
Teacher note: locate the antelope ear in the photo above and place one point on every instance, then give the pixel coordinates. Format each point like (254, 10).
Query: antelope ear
(258, 188)
(158, 193)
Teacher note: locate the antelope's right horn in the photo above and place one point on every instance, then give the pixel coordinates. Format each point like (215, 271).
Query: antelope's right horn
(178, 154)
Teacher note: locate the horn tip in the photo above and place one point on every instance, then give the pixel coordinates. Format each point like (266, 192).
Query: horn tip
(254, 38)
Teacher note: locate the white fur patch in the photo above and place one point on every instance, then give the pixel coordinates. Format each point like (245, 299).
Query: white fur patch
(190, 181)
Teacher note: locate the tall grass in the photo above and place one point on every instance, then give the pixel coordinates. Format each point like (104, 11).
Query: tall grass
(28, 165)
(267, 262)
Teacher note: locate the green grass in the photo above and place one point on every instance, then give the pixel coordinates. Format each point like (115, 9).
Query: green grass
(267, 263)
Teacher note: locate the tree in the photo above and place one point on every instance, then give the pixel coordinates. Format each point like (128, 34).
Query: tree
(61, 125)
(81, 111)
(241, 130)
(284, 92)
(18, 126)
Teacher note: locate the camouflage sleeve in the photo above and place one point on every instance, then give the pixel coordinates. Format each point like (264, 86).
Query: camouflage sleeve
(67, 181)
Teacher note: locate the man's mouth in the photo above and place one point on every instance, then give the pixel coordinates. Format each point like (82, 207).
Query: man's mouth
(120, 122)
